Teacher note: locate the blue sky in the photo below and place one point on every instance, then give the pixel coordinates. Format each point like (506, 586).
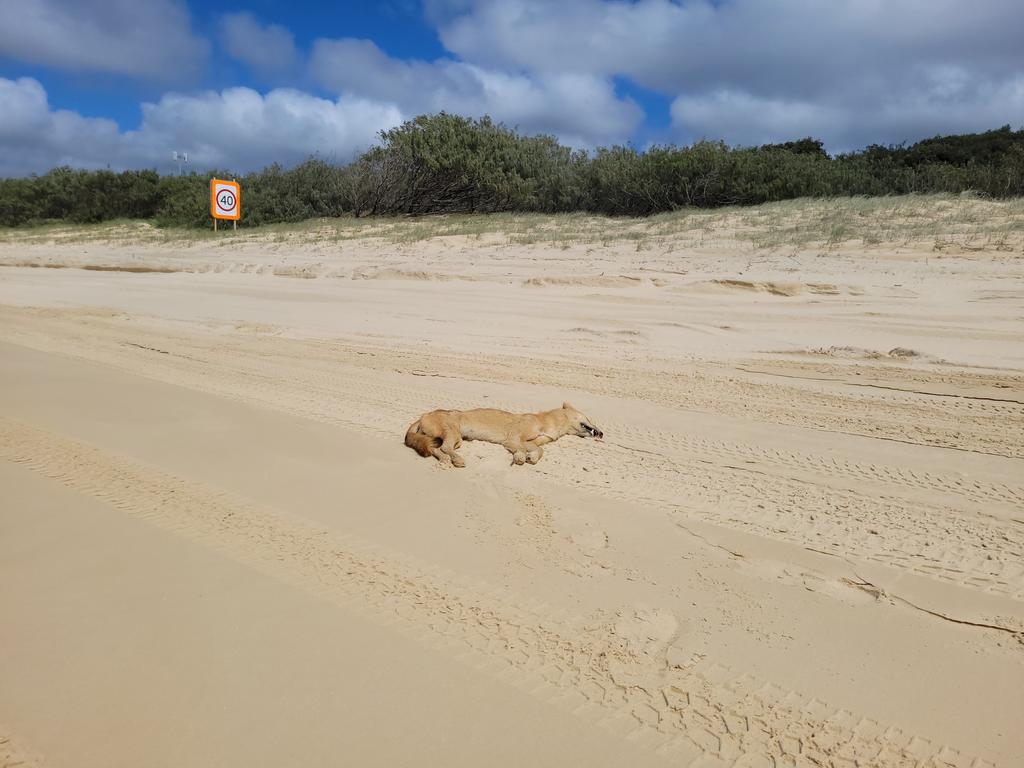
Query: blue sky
(123, 83)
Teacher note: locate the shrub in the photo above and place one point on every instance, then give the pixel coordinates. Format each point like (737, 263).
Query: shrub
(449, 164)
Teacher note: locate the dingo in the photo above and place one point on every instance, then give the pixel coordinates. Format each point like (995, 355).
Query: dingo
(440, 433)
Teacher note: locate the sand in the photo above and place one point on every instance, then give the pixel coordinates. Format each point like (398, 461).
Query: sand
(801, 542)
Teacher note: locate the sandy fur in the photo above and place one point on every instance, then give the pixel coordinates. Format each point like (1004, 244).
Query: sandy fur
(440, 433)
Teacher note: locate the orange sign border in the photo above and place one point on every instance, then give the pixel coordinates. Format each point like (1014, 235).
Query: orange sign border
(213, 200)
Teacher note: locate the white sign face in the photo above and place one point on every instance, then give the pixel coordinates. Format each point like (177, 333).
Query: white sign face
(225, 199)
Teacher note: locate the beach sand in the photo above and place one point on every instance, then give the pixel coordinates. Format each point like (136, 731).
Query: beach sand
(801, 541)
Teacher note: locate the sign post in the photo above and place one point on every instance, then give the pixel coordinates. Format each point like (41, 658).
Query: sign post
(225, 201)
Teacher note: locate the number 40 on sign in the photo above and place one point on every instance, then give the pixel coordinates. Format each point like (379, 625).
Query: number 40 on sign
(225, 201)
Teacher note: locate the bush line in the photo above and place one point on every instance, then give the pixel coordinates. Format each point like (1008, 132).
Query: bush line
(449, 164)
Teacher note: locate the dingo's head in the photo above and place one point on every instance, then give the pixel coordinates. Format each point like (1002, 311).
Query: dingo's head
(579, 423)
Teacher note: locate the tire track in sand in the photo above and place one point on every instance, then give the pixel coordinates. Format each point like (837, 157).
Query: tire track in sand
(971, 425)
(975, 551)
(689, 708)
(655, 468)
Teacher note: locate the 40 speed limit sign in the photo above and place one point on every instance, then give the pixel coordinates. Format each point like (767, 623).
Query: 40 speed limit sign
(225, 200)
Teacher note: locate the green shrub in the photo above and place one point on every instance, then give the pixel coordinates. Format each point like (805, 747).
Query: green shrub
(449, 164)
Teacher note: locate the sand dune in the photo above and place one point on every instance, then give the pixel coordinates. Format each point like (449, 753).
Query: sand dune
(801, 542)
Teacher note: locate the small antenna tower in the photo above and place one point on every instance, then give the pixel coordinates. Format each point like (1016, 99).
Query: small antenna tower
(180, 158)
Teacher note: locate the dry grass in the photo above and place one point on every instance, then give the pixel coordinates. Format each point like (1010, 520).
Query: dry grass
(943, 222)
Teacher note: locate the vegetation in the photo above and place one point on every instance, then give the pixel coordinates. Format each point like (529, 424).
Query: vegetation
(449, 164)
(942, 222)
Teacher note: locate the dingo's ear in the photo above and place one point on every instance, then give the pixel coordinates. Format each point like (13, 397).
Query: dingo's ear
(566, 406)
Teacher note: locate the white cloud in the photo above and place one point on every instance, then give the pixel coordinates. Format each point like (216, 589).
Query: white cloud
(36, 138)
(738, 117)
(269, 50)
(151, 39)
(581, 109)
(807, 65)
(237, 128)
(675, 46)
(242, 129)
(850, 72)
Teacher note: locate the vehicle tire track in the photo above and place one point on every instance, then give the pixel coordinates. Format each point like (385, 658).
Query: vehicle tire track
(977, 426)
(988, 553)
(258, 363)
(691, 709)
(666, 471)
(827, 466)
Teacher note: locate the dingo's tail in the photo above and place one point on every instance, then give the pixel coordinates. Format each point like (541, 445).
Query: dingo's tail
(419, 442)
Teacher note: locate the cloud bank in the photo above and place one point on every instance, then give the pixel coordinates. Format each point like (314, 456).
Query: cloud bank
(268, 49)
(850, 72)
(152, 39)
(578, 108)
(237, 128)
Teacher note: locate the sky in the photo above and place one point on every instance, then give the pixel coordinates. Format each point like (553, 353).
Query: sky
(125, 83)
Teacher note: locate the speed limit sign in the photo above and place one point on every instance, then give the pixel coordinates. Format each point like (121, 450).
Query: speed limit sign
(225, 200)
